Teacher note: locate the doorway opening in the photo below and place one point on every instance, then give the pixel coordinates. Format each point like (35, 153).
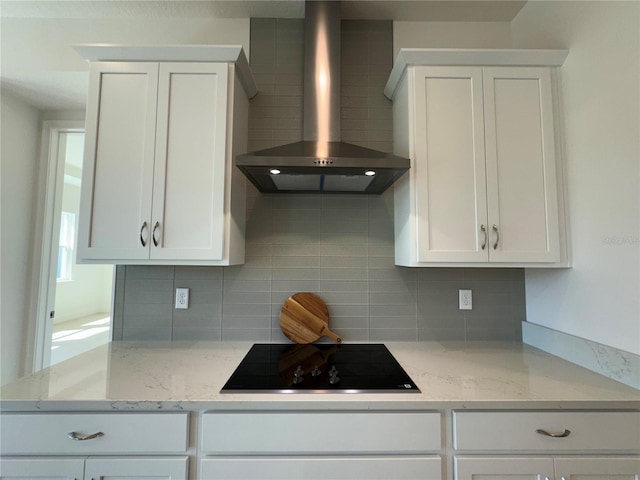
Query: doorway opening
(74, 300)
(82, 312)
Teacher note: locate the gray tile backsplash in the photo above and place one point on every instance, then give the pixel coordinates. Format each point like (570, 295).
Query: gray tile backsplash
(337, 246)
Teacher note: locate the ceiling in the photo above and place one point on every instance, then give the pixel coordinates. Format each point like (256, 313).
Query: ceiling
(402, 10)
(31, 68)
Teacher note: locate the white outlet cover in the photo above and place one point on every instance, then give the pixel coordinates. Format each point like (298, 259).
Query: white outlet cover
(465, 300)
(182, 298)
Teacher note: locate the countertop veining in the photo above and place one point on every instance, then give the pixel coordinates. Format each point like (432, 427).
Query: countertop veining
(189, 376)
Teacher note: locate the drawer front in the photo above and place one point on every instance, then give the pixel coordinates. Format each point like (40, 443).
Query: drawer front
(123, 433)
(321, 433)
(516, 431)
(44, 468)
(321, 468)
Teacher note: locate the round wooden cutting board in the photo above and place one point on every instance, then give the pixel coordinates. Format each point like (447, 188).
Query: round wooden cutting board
(304, 318)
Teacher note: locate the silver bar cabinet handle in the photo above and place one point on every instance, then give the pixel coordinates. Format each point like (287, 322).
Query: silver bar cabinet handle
(566, 433)
(153, 235)
(144, 225)
(484, 230)
(495, 229)
(80, 437)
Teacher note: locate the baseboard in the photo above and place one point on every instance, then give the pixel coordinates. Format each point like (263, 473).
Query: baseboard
(616, 364)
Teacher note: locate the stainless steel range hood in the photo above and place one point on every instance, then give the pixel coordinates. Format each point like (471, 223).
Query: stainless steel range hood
(322, 163)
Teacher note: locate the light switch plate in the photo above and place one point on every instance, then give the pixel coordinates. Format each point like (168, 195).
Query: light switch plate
(182, 298)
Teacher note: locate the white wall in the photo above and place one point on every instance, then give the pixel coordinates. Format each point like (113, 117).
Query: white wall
(38, 52)
(598, 299)
(451, 35)
(19, 138)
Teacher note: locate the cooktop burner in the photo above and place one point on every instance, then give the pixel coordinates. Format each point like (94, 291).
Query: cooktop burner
(322, 368)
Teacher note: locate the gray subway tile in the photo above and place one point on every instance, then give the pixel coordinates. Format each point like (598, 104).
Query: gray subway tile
(441, 334)
(394, 321)
(196, 334)
(246, 322)
(345, 298)
(134, 334)
(245, 285)
(201, 316)
(484, 334)
(238, 297)
(339, 323)
(393, 335)
(198, 273)
(306, 262)
(357, 274)
(293, 286)
(298, 274)
(156, 272)
(344, 286)
(235, 310)
(349, 310)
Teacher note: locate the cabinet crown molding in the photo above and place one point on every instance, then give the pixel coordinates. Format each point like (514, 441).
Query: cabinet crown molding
(107, 52)
(469, 56)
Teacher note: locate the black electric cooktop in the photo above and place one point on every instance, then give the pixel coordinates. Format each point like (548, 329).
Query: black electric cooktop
(321, 368)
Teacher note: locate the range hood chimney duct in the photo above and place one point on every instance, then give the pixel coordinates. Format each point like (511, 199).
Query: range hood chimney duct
(321, 162)
(322, 71)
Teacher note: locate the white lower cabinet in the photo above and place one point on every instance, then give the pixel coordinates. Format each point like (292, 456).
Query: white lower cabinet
(597, 468)
(163, 468)
(322, 468)
(547, 468)
(321, 446)
(503, 468)
(104, 468)
(546, 445)
(47, 468)
(94, 446)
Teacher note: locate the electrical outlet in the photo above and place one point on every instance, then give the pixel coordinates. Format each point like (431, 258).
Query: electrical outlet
(182, 298)
(464, 300)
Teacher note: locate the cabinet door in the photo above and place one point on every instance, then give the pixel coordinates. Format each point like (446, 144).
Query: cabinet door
(41, 468)
(521, 167)
(449, 166)
(503, 468)
(321, 468)
(190, 166)
(597, 468)
(117, 178)
(163, 468)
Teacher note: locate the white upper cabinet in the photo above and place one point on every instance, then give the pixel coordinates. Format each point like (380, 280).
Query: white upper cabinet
(483, 188)
(522, 189)
(189, 184)
(117, 181)
(158, 180)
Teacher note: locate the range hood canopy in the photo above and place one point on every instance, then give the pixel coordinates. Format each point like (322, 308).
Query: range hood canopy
(322, 163)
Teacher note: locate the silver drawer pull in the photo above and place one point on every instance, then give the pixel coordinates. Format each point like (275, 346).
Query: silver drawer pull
(566, 433)
(495, 229)
(484, 230)
(80, 437)
(153, 235)
(142, 240)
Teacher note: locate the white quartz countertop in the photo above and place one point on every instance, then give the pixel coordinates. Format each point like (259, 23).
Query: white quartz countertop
(189, 376)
